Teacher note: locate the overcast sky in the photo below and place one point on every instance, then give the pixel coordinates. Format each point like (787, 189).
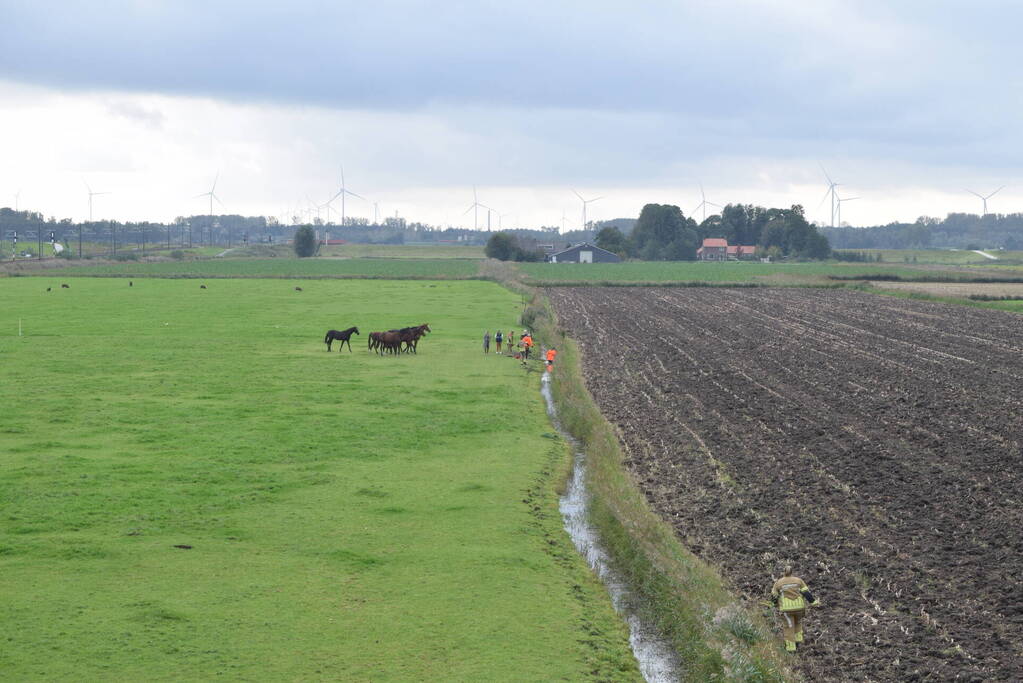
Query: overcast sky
(906, 104)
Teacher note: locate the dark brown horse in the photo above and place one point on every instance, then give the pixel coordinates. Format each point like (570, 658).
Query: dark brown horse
(344, 336)
(397, 341)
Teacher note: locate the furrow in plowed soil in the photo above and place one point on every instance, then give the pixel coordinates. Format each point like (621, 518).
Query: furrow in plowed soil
(873, 442)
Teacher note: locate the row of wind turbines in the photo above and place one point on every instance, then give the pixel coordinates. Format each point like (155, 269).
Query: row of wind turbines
(476, 206)
(342, 192)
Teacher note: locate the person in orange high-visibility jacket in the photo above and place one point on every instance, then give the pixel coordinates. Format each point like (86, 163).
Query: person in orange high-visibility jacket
(551, 353)
(527, 344)
(792, 595)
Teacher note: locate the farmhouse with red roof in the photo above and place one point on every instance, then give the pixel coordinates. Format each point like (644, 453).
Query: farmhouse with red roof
(718, 249)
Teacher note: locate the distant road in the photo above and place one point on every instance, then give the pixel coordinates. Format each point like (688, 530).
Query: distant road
(975, 251)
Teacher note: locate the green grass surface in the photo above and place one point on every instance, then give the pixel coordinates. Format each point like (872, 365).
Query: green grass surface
(694, 271)
(351, 517)
(959, 257)
(403, 251)
(291, 267)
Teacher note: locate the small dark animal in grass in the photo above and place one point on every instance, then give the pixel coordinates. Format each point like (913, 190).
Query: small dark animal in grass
(47, 289)
(202, 286)
(63, 286)
(184, 547)
(298, 289)
(342, 335)
(130, 283)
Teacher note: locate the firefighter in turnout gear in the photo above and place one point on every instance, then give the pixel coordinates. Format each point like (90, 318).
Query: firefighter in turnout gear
(792, 595)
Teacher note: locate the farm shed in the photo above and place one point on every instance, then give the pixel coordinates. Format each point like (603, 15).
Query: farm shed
(738, 251)
(584, 253)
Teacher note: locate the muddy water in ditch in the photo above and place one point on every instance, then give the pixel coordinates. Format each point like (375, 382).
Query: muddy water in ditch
(657, 662)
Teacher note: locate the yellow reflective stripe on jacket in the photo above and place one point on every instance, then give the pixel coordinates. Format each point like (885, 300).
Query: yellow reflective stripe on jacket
(791, 604)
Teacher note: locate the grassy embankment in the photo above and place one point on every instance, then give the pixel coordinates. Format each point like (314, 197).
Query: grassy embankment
(349, 517)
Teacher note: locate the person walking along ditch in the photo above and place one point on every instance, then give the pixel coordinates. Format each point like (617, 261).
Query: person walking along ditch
(791, 595)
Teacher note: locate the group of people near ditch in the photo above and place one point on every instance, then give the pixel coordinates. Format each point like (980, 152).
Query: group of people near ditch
(520, 349)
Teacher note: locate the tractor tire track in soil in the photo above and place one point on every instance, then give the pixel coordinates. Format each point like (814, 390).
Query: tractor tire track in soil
(872, 442)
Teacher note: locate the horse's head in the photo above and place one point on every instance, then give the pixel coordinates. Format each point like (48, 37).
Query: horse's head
(355, 330)
(425, 328)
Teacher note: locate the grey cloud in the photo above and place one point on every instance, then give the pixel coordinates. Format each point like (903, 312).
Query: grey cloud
(646, 84)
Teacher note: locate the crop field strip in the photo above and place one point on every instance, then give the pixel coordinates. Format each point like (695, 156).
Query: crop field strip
(873, 441)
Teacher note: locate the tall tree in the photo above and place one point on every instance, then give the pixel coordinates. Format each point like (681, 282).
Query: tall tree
(612, 239)
(663, 233)
(304, 241)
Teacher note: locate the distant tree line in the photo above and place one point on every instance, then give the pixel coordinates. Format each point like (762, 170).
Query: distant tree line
(663, 233)
(955, 231)
(235, 230)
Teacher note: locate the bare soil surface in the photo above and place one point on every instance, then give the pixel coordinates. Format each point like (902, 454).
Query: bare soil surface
(873, 442)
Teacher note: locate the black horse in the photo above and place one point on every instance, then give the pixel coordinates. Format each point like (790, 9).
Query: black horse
(343, 336)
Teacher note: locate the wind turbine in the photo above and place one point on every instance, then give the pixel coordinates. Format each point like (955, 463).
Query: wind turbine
(91, 195)
(838, 201)
(704, 203)
(212, 194)
(341, 193)
(475, 207)
(17, 196)
(984, 199)
(831, 191)
(585, 202)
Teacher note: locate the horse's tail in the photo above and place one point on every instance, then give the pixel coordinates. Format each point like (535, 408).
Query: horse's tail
(327, 338)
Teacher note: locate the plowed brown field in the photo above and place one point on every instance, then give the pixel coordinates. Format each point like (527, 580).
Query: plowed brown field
(874, 442)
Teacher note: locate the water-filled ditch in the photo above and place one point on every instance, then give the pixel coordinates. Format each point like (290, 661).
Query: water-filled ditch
(657, 661)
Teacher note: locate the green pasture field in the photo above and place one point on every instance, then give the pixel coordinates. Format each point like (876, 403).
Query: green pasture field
(290, 267)
(953, 257)
(349, 516)
(699, 271)
(403, 251)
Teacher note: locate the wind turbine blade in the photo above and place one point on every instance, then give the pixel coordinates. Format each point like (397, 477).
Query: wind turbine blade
(218, 201)
(87, 185)
(848, 199)
(594, 199)
(204, 194)
(698, 207)
(469, 209)
(355, 195)
(821, 203)
(579, 196)
(215, 179)
(713, 204)
(975, 194)
(830, 181)
(995, 192)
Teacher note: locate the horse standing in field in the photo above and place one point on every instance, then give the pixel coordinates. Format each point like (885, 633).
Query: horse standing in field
(412, 335)
(343, 336)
